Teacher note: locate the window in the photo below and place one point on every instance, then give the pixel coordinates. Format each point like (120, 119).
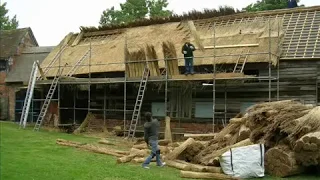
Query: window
(157, 109)
(203, 110)
(3, 65)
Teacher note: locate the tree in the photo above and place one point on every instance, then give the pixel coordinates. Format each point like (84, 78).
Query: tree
(267, 5)
(156, 8)
(5, 22)
(133, 10)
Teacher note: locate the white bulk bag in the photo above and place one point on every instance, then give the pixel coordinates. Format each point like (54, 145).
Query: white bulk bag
(244, 162)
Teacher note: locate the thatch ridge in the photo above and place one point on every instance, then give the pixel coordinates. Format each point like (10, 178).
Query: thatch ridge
(220, 14)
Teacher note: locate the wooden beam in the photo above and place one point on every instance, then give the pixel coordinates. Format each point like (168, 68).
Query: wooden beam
(78, 39)
(231, 46)
(195, 77)
(101, 33)
(41, 71)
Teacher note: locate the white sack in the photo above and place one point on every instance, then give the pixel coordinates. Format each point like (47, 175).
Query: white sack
(244, 162)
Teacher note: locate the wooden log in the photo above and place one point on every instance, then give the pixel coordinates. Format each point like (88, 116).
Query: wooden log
(199, 135)
(126, 159)
(141, 160)
(201, 168)
(84, 124)
(164, 142)
(140, 146)
(177, 151)
(167, 133)
(205, 175)
(177, 165)
(106, 142)
(209, 158)
(92, 148)
(139, 153)
(280, 161)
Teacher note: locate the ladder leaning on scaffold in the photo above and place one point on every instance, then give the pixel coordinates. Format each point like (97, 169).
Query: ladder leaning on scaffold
(52, 89)
(29, 94)
(138, 104)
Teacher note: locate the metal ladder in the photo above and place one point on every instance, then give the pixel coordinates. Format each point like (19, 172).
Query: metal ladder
(29, 94)
(139, 100)
(238, 68)
(47, 101)
(46, 70)
(74, 68)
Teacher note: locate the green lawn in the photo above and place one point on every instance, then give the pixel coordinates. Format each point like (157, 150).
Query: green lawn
(35, 155)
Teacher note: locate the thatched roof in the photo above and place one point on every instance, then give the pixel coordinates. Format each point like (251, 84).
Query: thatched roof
(10, 40)
(108, 46)
(23, 65)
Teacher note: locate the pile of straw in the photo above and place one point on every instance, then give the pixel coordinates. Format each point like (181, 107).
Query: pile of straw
(288, 129)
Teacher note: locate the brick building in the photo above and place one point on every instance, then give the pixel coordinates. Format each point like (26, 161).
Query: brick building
(18, 49)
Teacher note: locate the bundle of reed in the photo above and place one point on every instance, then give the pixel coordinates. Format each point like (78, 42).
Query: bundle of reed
(152, 58)
(170, 55)
(280, 161)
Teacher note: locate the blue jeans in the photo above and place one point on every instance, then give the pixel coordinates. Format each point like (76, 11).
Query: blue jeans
(155, 152)
(188, 61)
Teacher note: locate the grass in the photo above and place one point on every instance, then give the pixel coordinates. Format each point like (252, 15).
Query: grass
(35, 155)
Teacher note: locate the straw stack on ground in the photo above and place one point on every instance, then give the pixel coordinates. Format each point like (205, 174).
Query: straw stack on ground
(289, 130)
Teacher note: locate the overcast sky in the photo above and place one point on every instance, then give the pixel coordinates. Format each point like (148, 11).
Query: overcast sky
(51, 20)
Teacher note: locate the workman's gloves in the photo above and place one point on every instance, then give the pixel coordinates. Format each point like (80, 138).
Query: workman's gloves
(184, 52)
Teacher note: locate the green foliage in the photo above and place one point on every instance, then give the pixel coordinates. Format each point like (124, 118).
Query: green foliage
(133, 10)
(267, 5)
(157, 8)
(5, 22)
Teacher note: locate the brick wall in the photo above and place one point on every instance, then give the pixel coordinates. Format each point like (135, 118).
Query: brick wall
(12, 101)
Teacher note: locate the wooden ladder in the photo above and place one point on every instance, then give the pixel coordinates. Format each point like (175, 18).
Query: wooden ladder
(238, 68)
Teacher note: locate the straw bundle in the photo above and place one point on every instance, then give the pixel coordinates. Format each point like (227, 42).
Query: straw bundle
(307, 149)
(135, 67)
(308, 123)
(193, 150)
(195, 35)
(170, 54)
(267, 121)
(152, 55)
(280, 161)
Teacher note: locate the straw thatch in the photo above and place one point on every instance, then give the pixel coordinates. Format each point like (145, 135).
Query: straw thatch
(166, 39)
(253, 33)
(110, 48)
(108, 43)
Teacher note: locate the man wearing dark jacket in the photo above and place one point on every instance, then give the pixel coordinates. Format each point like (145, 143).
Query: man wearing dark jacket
(187, 51)
(151, 128)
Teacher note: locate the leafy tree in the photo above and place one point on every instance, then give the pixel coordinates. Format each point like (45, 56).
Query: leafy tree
(156, 8)
(5, 22)
(267, 5)
(133, 10)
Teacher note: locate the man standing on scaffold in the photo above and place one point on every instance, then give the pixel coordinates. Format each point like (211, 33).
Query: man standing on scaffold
(187, 51)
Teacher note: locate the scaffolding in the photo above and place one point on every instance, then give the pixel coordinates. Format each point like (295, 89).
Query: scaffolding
(166, 79)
